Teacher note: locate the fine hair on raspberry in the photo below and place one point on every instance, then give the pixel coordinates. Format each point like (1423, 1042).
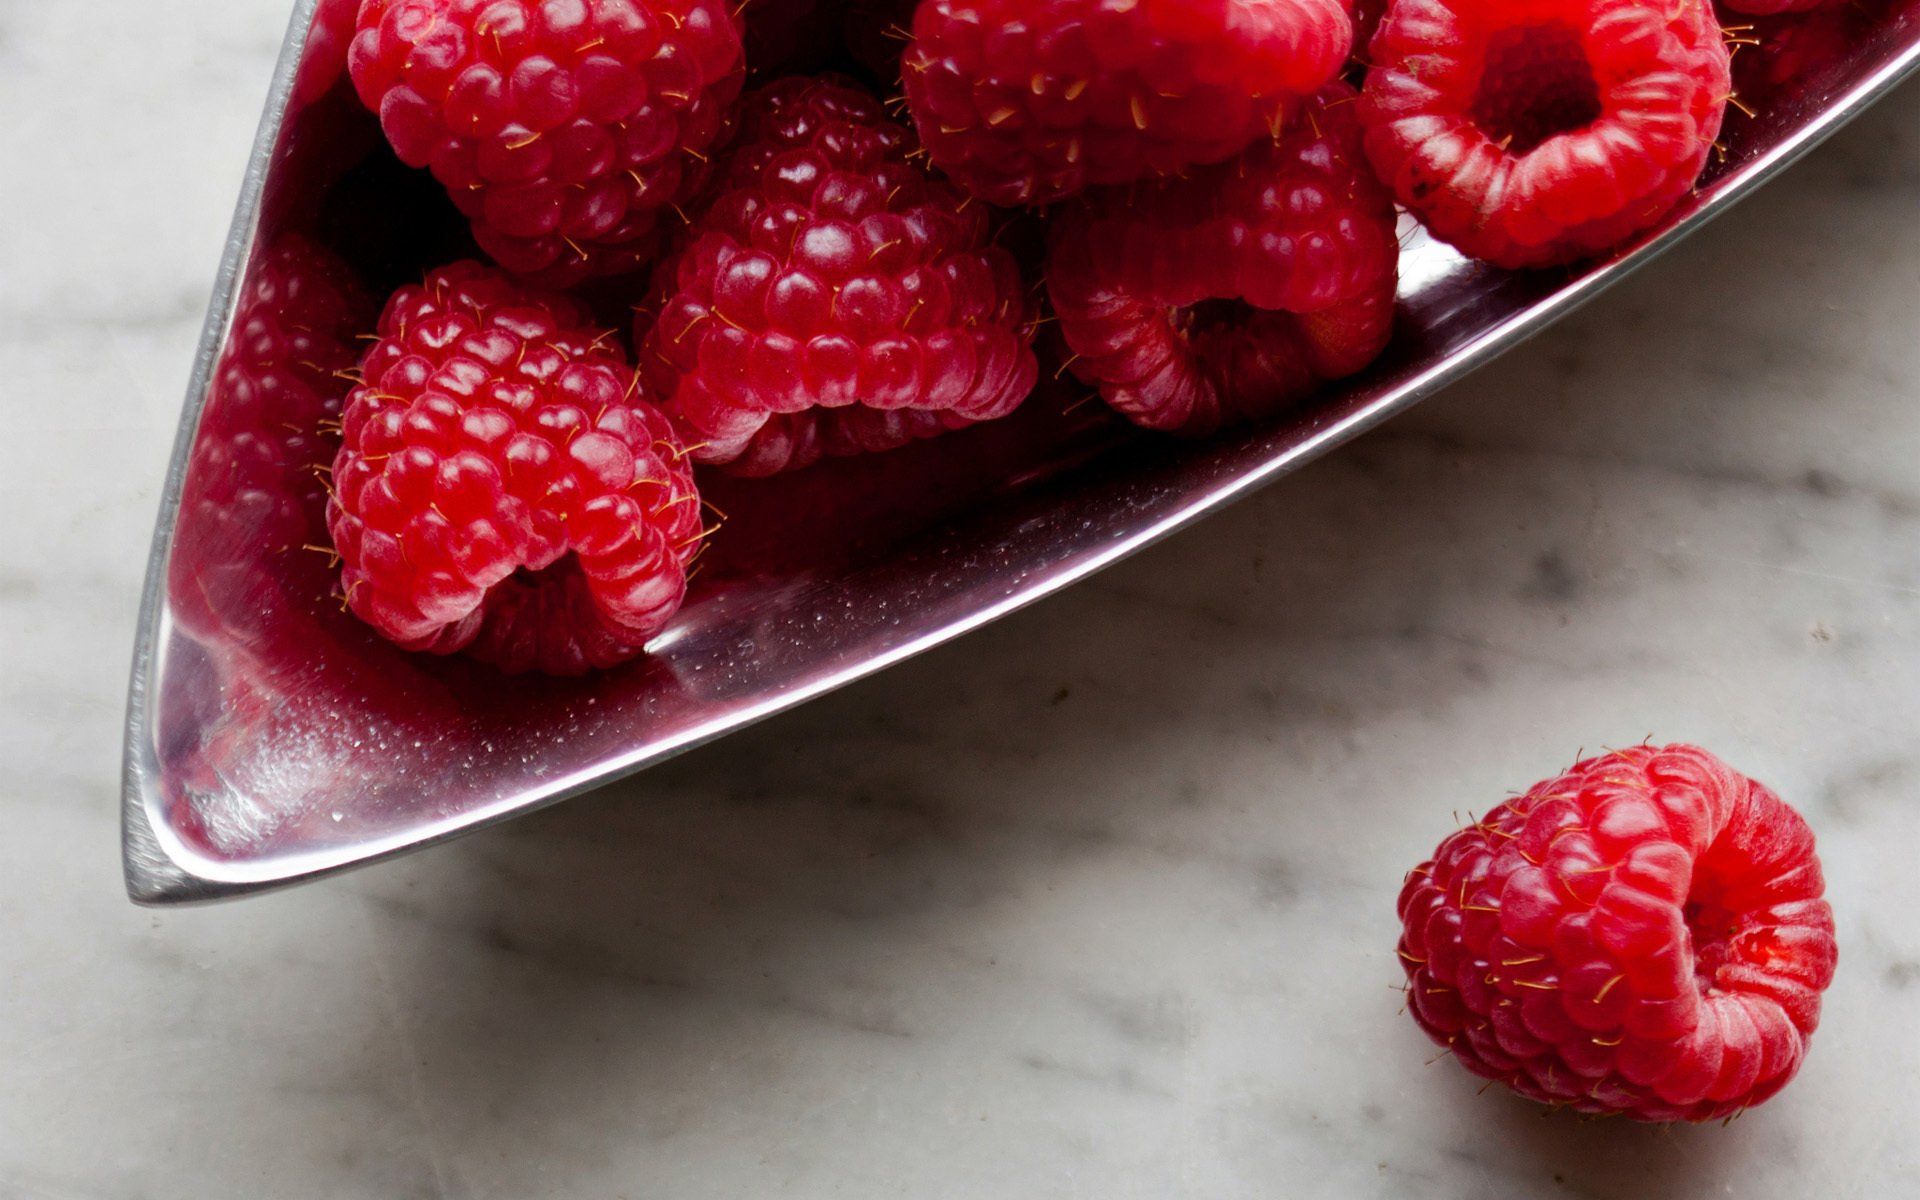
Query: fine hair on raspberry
(1646, 935)
(503, 488)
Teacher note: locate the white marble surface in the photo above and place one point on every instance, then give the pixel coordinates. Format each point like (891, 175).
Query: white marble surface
(1097, 904)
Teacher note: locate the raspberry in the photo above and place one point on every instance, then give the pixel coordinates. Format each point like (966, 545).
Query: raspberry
(835, 297)
(1232, 293)
(560, 129)
(502, 488)
(253, 495)
(1030, 101)
(1535, 132)
(1643, 935)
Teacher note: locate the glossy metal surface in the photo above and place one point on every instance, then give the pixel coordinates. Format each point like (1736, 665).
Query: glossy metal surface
(291, 744)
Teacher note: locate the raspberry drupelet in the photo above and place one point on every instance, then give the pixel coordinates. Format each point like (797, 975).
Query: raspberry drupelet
(835, 297)
(561, 130)
(1234, 292)
(1030, 101)
(1531, 133)
(1643, 935)
(503, 489)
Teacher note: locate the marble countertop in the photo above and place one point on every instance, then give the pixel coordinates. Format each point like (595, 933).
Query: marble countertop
(1099, 903)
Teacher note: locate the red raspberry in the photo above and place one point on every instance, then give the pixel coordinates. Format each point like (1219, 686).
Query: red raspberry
(1029, 101)
(1643, 935)
(1534, 132)
(835, 297)
(253, 496)
(502, 489)
(560, 129)
(1234, 292)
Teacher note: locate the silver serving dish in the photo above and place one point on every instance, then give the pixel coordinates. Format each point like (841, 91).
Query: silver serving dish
(291, 744)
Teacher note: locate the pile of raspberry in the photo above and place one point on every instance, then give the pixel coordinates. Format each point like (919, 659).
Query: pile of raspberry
(744, 237)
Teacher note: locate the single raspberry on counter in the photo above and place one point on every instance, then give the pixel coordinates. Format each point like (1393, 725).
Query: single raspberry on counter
(1232, 293)
(503, 488)
(1030, 101)
(253, 498)
(561, 130)
(1643, 935)
(835, 297)
(1535, 132)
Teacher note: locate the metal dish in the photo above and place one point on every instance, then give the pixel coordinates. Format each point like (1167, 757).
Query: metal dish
(293, 744)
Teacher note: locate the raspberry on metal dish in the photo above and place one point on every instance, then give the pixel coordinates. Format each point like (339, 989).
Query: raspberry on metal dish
(1030, 101)
(1236, 291)
(1643, 935)
(561, 131)
(835, 297)
(503, 488)
(1535, 132)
